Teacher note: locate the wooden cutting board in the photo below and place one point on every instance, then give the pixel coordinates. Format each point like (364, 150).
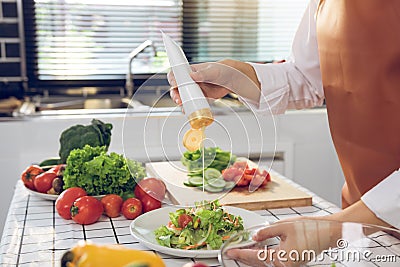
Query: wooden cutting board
(277, 194)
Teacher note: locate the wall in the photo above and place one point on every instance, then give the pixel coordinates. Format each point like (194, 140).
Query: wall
(11, 72)
(303, 136)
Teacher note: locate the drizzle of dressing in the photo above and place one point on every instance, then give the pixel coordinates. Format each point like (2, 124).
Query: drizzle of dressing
(194, 140)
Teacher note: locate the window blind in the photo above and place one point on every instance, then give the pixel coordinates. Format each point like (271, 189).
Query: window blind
(251, 30)
(91, 39)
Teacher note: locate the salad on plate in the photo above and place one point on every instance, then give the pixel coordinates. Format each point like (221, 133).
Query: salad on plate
(205, 226)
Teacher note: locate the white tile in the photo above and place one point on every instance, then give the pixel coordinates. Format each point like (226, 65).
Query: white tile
(126, 239)
(103, 240)
(137, 246)
(281, 211)
(39, 225)
(209, 262)
(305, 209)
(175, 262)
(65, 243)
(96, 233)
(122, 230)
(395, 249)
(262, 212)
(288, 216)
(98, 225)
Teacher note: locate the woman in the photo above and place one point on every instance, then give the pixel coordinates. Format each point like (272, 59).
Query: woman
(348, 54)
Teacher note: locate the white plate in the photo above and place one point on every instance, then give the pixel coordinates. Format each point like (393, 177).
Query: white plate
(42, 195)
(142, 228)
(50, 196)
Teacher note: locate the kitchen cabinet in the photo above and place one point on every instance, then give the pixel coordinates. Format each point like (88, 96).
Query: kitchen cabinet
(300, 138)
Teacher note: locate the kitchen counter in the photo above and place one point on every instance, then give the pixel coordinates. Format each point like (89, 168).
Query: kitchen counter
(308, 155)
(35, 235)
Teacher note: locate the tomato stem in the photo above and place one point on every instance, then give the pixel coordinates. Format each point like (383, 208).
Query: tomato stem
(74, 211)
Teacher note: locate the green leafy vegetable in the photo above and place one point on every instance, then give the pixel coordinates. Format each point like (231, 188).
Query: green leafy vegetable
(77, 136)
(209, 227)
(214, 157)
(99, 173)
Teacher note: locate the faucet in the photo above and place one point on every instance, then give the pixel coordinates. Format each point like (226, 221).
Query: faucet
(129, 85)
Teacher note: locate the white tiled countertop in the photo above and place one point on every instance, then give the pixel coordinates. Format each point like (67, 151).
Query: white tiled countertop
(35, 235)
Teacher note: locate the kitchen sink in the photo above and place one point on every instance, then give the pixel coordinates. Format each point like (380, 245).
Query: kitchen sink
(62, 103)
(153, 101)
(103, 102)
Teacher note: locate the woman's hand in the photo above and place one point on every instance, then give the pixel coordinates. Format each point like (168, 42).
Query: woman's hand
(197, 264)
(217, 79)
(300, 242)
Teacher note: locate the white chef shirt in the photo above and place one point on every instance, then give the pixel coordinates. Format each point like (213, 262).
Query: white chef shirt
(297, 84)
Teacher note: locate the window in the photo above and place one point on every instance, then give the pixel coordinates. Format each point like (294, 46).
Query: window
(250, 30)
(89, 40)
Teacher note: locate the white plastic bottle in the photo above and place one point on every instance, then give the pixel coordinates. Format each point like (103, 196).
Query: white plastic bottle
(194, 103)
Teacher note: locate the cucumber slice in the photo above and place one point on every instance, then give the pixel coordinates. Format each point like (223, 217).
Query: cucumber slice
(196, 180)
(188, 184)
(212, 189)
(229, 185)
(211, 173)
(217, 183)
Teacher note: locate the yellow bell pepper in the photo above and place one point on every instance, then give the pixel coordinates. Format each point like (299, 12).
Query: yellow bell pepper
(85, 254)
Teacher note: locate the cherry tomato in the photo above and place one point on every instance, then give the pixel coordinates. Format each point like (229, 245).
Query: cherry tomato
(44, 181)
(152, 186)
(66, 199)
(112, 205)
(29, 174)
(150, 203)
(86, 210)
(184, 219)
(131, 208)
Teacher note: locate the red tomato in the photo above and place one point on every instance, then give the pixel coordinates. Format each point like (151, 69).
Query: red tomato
(86, 210)
(240, 165)
(184, 219)
(248, 177)
(57, 168)
(232, 173)
(256, 182)
(152, 186)
(29, 174)
(44, 181)
(241, 181)
(250, 171)
(131, 208)
(66, 199)
(112, 205)
(150, 203)
(266, 175)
